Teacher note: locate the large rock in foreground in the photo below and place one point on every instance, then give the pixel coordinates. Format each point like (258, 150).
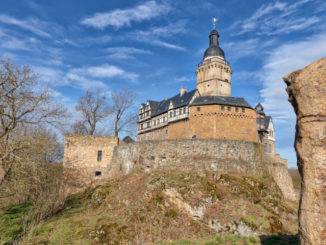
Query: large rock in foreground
(307, 93)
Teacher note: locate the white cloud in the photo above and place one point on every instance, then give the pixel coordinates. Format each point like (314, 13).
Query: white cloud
(95, 76)
(275, 18)
(49, 75)
(125, 52)
(33, 24)
(154, 35)
(281, 61)
(97, 40)
(123, 17)
(184, 79)
(250, 47)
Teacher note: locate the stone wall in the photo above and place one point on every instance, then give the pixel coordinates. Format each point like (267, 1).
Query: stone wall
(158, 133)
(209, 154)
(81, 160)
(211, 122)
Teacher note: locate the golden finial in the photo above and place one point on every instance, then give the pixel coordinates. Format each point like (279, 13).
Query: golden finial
(214, 22)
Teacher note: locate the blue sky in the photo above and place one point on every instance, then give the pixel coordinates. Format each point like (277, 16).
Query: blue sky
(153, 47)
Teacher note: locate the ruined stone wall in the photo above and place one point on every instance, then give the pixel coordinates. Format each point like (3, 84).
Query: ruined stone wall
(211, 122)
(81, 160)
(209, 154)
(307, 93)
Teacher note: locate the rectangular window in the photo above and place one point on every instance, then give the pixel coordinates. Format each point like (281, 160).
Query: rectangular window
(154, 122)
(243, 109)
(222, 107)
(198, 108)
(229, 108)
(180, 111)
(148, 124)
(184, 110)
(99, 156)
(163, 119)
(175, 113)
(98, 173)
(141, 126)
(236, 109)
(171, 114)
(265, 147)
(269, 148)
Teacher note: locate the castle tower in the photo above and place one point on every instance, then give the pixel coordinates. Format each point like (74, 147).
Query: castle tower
(214, 72)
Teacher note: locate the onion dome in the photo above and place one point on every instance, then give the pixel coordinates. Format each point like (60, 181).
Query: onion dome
(214, 48)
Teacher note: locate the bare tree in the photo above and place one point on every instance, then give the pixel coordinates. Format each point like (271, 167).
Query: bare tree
(123, 115)
(94, 109)
(22, 102)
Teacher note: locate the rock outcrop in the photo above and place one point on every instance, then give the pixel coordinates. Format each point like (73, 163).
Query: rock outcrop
(307, 94)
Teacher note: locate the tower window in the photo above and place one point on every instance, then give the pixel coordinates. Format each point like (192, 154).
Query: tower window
(229, 108)
(99, 156)
(198, 108)
(222, 107)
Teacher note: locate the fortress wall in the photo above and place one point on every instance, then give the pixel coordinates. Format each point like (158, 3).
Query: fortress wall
(159, 133)
(223, 124)
(224, 155)
(202, 154)
(80, 160)
(179, 130)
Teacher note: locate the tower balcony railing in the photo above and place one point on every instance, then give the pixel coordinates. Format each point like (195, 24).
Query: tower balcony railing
(208, 61)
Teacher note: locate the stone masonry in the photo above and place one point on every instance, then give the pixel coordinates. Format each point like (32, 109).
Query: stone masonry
(86, 159)
(203, 154)
(307, 94)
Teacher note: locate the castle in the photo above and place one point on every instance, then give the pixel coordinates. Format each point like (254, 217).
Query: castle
(205, 129)
(209, 111)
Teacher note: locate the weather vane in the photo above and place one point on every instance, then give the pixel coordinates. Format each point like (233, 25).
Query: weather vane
(214, 22)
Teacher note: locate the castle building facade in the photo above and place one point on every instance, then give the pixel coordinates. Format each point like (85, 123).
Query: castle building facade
(209, 111)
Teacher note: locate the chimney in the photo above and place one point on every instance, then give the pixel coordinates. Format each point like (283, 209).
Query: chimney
(182, 91)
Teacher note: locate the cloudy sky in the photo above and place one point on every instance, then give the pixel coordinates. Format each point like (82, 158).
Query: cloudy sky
(153, 47)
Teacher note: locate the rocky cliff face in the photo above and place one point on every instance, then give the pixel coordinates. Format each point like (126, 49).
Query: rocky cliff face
(307, 94)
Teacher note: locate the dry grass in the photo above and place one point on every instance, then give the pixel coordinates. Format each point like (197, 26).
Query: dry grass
(135, 209)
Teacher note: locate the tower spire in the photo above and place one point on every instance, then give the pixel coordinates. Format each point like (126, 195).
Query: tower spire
(214, 22)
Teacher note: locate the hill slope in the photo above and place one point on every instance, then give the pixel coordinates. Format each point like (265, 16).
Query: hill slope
(168, 205)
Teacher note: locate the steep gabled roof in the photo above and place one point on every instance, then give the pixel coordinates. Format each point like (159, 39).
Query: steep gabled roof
(221, 100)
(177, 101)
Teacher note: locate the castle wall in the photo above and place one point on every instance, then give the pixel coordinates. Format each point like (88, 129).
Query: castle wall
(224, 155)
(223, 124)
(80, 161)
(155, 134)
(179, 130)
(202, 154)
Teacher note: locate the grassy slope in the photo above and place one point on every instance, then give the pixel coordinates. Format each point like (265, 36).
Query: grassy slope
(136, 209)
